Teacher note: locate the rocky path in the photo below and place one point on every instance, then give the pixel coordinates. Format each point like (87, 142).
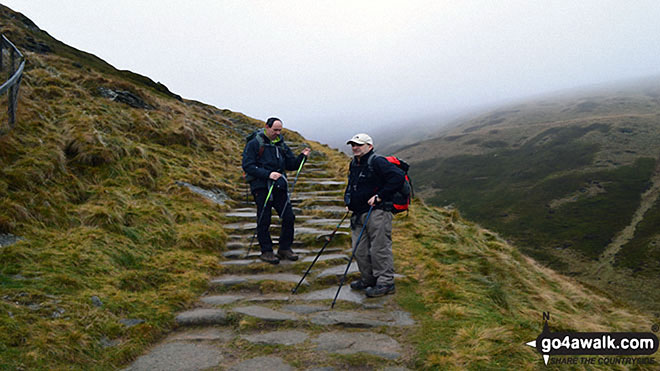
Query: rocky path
(250, 320)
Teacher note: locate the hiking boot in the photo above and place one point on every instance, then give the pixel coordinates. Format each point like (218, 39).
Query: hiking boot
(269, 257)
(287, 254)
(359, 285)
(380, 290)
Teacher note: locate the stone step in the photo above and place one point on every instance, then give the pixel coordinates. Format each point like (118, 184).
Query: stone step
(240, 253)
(241, 262)
(327, 250)
(252, 214)
(361, 319)
(328, 317)
(336, 210)
(274, 228)
(221, 300)
(338, 271)
(270, 363)
(324, 181)
(308, 194)
(202, 316)
(326, 257)
(241, 241)
(178, 356)
(231, 280)
(332, 222)
(322, 185)
(255, 252)
(285, 337)
(313, 173)
(265, 313)
(346, 294)
(372, 343)
(324, 200)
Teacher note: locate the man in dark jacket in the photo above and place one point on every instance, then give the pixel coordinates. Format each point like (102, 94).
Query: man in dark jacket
(265, 160)
(372, 181)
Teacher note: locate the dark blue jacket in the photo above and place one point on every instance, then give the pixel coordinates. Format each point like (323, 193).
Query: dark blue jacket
(384, 181)
(275, 157)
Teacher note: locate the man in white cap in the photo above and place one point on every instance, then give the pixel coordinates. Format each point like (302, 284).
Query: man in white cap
(372, 181)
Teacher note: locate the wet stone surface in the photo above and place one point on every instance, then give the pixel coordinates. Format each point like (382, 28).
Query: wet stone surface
(264, 313)
(338, 271)
(280, 277)
(304, 309)
(346, 294)
(8, 239)
(242, 262)
(347, 319)
(203, 334)
(277, 337)
(216, 195)
(221, 299)
(262, 363)
(178, 356)
(326, 257)
(202, 316)
(359, 342)
(267, 298)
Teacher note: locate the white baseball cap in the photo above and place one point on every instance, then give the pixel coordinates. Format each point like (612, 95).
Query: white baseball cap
(361, 139)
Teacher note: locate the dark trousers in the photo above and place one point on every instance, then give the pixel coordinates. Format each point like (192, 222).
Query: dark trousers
(278, 200)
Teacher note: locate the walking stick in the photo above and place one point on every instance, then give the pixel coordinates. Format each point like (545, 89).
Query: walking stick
(351, 260)
(320, 252)
(270, 190)
(297, 173)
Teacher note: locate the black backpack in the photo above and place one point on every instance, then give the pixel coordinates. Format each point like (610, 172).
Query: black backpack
(401, 198)
(260, 139)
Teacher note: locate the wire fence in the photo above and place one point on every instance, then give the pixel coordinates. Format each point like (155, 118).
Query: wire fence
(12, 63)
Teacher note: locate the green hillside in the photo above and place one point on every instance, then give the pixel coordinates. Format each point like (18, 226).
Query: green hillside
(112, 246)
(562, 177)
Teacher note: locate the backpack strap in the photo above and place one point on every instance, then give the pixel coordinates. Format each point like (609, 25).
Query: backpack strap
(262, 144)
(370, 160)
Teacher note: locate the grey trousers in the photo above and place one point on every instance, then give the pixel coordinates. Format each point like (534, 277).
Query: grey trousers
(374, 253)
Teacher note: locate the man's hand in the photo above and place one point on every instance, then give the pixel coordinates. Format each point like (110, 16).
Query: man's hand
(306, 151)
(275, 175)
(374, 200)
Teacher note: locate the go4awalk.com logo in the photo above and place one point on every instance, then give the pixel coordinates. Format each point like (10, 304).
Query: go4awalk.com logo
(605, 344)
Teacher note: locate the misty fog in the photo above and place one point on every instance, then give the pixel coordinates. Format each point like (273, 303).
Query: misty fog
(330, 69)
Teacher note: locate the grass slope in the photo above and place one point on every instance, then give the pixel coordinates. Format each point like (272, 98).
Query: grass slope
(478, 300)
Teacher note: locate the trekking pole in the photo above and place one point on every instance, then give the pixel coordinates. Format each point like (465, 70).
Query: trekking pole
(297, 173)
(270, 190)
(341, 283)
(320, 252)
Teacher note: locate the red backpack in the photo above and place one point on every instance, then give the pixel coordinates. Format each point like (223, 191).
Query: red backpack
(405, 194)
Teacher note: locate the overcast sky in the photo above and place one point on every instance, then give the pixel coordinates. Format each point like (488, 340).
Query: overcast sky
(331, 68)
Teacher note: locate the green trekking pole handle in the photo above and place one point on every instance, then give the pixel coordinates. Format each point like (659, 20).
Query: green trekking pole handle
(320, 252)
(351, 260)
(297, 173)
(270, 190)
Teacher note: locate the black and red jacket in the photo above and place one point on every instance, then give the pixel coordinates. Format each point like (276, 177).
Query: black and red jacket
(384, 181)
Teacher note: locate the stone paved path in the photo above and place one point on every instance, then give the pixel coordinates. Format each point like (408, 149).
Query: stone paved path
(250, 320)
